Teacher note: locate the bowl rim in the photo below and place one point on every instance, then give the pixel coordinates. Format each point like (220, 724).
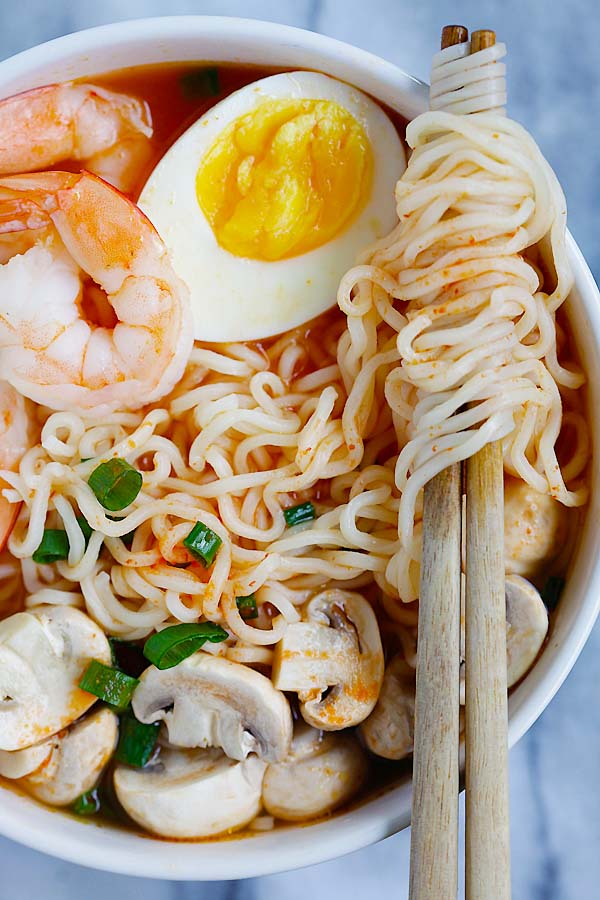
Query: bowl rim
(292, 847)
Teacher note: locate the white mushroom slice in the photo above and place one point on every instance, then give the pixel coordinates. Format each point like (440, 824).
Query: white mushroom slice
(191, 793)
(389, 730)
(208, 701)
(323, 771)
(526, 626)
(535, 529)
(17, 763)
(76, 761)
(43, 655)
(526, 630)
(334, 661)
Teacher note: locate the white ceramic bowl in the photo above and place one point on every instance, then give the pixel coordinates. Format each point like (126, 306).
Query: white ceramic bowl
(236, 40)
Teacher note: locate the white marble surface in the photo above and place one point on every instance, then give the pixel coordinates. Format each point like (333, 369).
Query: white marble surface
(555, 770)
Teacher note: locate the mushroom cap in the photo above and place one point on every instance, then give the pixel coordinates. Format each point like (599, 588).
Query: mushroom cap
(389, 730)
(334, 661)
(191, 793)
(43, 654)
(323, 772)
(208, 701)
(526, 626)
(535, 529)
(77, 758)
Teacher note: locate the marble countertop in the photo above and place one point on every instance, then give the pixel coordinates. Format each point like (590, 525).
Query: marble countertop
(554, 74)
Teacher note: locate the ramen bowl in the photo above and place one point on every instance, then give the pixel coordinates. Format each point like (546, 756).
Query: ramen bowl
(109, 847)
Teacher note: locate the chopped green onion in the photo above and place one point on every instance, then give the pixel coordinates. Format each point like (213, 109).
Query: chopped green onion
(127, 656)
(202, 543)
(551, 592)
(87, 804)
(115, 483)
(296, 515)
(85, 459)
(247, 606)
(110, 685)
(86, 528)
(54, 546)
(170, 646)
(201, 83)
(136, 741)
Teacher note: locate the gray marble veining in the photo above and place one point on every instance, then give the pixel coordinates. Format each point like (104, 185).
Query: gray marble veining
(554, 74)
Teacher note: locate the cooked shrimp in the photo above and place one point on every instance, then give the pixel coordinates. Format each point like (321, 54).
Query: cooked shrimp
(49, 351)
(14, 441)
(108, 133)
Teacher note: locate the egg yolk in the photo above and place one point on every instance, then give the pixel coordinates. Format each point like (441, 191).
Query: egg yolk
(285, 178)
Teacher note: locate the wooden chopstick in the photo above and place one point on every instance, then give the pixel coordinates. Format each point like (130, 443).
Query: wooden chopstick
(434, 835)
(487, 853)
(434, 826)
(487, 838)
(434, 840)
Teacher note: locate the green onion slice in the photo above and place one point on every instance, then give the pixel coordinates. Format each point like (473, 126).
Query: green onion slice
(109, 684)
(201, 83)
(247, 606)
(115, 483)
(170, 646)
(296, 515)
(136, 741)
(551, 592)
(54, 546)
(87, 804)
(202, 543)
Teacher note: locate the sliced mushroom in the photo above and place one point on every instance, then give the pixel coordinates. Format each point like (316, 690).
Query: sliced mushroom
(43, 654)
(76, 760)
(526, 626)
(535, 529)
(191, 793)
(389, 730)
(526, 629)
(208, 701)
(322, 772)
(334, 661)
(17, 763)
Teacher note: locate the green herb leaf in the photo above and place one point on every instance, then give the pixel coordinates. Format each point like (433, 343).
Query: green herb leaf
(202, 543)
(136, 741)
(115, 483)
(170, 646)
(87, 804)
(551, 592)
(247, 606)
(201, 83)
(296, 515)
(54, 546)
(109, 684)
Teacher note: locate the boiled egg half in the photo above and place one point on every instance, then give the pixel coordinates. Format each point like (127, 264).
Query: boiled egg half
(267, 199)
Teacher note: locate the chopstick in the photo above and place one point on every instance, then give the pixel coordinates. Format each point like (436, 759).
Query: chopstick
(434, 835)
(434, 839)
(487, 838)
(434, 821)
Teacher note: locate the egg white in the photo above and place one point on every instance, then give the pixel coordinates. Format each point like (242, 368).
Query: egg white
(238, 299)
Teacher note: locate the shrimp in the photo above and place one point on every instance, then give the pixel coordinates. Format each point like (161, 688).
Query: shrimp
(80, 230)
(14, 441)
(108, 132)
